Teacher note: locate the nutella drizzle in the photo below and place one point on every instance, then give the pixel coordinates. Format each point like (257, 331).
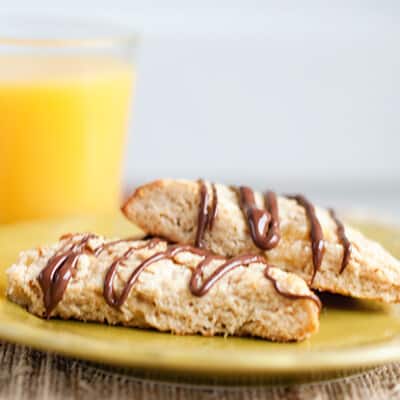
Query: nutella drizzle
(274, 233)
(207, 212)
(289, 295)
(97, 251)
(316, 234)
(108, 290)
(214, 208)
(196, 286)
(200, 289)
(54, 278)
(345, 242)
(264, 229)
(263, 224)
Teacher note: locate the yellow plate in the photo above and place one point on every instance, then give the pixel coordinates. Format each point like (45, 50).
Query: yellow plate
(352, 335)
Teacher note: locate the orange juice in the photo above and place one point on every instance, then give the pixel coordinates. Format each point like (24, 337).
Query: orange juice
(63, 122)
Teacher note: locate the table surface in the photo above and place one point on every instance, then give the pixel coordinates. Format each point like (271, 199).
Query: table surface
(31, 374)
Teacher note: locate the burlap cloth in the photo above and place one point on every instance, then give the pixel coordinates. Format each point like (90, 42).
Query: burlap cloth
(31, 374)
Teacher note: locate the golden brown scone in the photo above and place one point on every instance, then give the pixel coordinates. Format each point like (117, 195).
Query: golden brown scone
(243, 302)
(169, 208)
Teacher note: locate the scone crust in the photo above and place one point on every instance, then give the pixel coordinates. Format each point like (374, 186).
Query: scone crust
(243, 303)
(169, 208)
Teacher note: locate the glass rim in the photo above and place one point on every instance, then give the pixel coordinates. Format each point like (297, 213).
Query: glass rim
(109, 34)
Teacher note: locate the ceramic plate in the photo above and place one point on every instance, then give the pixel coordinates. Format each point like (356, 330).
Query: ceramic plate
(353, 334)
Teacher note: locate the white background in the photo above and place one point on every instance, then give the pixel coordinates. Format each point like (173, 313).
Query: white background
(287, 94)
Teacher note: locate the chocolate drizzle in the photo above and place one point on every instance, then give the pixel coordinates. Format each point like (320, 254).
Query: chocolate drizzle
(108, 290)
(54, 278)
(345, 242)
(97, 251)
(197, 285)
(313, 297)
(264, 229)
(207, 212)
(200, 289)
(263, 224)
(214, 208)
(274, 233)
(316, 234)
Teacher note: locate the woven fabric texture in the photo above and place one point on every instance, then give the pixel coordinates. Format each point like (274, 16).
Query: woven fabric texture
(31, 374)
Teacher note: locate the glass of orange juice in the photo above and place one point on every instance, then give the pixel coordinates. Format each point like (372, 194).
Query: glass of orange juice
(65, 97)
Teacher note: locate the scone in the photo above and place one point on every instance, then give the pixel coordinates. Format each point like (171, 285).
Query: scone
(152, 284)
(288, 231)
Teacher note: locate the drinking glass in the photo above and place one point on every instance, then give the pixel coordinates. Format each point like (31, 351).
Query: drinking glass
(65, 99)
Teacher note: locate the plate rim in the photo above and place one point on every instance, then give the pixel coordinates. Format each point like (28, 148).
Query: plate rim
(324, 361)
